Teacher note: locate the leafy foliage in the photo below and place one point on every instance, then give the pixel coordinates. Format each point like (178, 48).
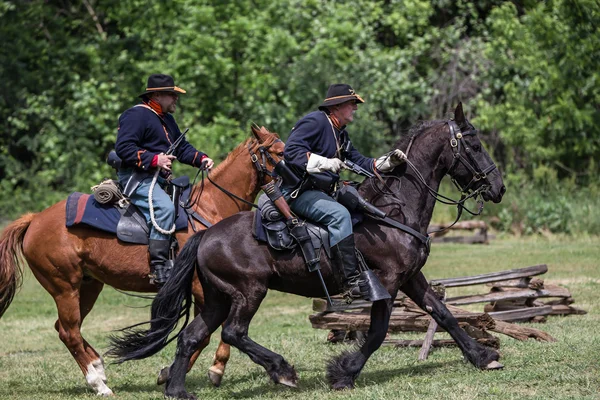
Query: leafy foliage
(525, 70)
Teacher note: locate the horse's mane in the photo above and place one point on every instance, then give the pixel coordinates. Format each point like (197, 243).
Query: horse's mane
(242, 147)
(418, 128)
(269, 139)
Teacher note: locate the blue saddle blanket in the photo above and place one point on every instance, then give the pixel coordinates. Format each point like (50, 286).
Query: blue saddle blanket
(84, 209)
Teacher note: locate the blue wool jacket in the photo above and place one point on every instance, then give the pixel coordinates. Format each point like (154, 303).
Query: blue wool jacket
(314, 134)
(141, 136)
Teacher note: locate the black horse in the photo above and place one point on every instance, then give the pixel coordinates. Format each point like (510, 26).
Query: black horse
(236, 271)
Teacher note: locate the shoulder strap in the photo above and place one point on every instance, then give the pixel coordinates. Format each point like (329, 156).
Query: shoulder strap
(162, 121)
(337, 142)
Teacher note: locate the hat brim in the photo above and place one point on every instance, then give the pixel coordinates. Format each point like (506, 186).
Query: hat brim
(168, 89)
(332, 101)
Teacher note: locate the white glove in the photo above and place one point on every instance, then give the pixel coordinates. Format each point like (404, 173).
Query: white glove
(389, 161)
(317, 163)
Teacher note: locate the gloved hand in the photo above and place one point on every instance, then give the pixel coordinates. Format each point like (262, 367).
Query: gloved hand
(389, 161)
(317, 163)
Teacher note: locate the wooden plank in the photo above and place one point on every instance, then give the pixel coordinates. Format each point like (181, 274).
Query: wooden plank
(522, 314)
(427, 342)
(489, 342)
(562, 309)
(399, 322)
(517, 283)
(520, 332)
(467, 225)
(548, 291)
(475, 239)
(527, 282)
(493, 277)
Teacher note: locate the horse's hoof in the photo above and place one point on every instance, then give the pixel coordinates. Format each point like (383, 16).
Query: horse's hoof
(494, 365)
(106, 393)
(287, 382)
(163, 375)
(215, 375)
(180, 395)
(341, 386)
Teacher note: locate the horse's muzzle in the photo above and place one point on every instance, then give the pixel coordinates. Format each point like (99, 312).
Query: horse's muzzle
(491, 195)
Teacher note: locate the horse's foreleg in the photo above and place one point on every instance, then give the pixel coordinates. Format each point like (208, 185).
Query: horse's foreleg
(216, 371)
(343, 370)
(419, 291)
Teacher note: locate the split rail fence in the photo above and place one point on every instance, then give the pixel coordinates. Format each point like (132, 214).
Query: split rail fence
(515, 295)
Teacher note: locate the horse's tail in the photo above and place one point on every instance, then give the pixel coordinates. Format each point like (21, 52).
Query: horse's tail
(172, 303)
(11, 253)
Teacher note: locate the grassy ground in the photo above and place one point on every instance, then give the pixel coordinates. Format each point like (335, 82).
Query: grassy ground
(34, 364)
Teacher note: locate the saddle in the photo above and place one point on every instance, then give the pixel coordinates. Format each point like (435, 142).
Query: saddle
(269, 227)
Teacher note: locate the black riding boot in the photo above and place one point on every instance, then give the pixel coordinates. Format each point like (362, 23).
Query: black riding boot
(358, 282)
(160, 265)
(344, 259)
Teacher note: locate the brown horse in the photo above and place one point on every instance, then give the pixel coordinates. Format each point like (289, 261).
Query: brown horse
(73, 264)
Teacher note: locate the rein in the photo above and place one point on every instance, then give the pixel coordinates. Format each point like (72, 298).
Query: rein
(261, 169)
(469, 162)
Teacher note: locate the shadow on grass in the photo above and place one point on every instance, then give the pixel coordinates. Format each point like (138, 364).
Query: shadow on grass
(318, 383)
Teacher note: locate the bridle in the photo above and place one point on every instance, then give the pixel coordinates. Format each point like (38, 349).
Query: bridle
(266, 156)
(469, 162)
(261, 169)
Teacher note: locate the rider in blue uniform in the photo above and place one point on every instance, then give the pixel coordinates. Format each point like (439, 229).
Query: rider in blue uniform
(314, 152)
(145, 133)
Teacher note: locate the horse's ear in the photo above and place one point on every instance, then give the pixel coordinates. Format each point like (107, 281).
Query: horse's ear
(459, 115)
(260, 133)
(256, 132)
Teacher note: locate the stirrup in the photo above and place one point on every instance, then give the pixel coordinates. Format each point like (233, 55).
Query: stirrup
(354, 290)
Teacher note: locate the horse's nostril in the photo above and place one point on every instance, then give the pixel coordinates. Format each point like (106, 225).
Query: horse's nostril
(503, 189)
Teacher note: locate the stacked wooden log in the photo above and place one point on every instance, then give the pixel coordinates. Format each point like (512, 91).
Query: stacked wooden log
(515, 296)
(478, 228)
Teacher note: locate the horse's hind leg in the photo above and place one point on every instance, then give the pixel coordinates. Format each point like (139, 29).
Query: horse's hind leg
(88, 294)
(217, 370)
(235, 333)
(69, 323)
(419, 291)
(193, 336)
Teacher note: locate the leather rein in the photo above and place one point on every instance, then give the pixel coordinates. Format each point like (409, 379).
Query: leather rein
(261, 169)
(469, 162)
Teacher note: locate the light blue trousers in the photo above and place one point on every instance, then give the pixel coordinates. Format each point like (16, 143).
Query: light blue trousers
(319, 207)
(164, 210)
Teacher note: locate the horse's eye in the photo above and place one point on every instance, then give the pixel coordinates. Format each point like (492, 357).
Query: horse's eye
(280, 154)
(476, 147)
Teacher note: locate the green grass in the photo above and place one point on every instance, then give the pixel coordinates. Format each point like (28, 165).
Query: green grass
(34, 364)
